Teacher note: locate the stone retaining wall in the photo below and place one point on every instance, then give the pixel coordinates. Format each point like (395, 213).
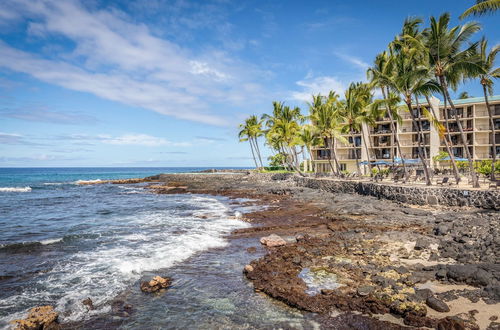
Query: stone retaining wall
(487, 199)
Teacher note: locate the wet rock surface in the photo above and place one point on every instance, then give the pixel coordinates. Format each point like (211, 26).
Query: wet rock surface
(42, 317)
(158, 283)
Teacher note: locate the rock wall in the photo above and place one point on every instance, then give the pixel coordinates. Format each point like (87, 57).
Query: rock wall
(487, 199)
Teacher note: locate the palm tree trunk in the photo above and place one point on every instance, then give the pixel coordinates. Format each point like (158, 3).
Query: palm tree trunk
(330, 157)
(493, 142)
(258, 151)
(253, 153)
(367, 151)
(355, 152)
(285, 159)
(295, 167)
(313, 165)
(334, 154)
(446, 136)
(444, 87)
(420, 153)
(394, 132)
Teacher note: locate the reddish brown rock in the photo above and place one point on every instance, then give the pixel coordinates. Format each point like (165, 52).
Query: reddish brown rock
(156, 284)
(42, 317)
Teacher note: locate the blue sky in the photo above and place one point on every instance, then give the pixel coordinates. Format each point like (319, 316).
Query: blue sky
(165, 83)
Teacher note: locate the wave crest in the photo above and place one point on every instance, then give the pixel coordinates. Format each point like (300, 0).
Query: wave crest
(15, 189)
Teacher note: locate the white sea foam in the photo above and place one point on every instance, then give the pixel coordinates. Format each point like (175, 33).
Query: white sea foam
(15, 189)
(160, 240)
(87, 181)
(54, 183)
(51, 241)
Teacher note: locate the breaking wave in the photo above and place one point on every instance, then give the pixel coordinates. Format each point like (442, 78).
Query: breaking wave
(15, 189)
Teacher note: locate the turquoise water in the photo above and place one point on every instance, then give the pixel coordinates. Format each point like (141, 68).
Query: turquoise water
(61, 243)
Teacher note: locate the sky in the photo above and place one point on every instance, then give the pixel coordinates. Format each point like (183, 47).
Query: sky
(167, 82)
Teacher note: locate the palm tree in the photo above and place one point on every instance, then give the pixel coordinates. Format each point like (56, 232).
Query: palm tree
(245, 135)
(482, 7)
(410, 77)
(444, 134)
(283, 127)
(324, 115)
(487, 62)
(451, 64)
(380, 75)
(464, 95)
(354, 112)
(254, 132)
(309, 137)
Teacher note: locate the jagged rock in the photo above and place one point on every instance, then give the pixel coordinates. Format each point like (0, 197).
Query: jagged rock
(42, 317)
(89, 303)
(365, 290)
(156, 284)
(421, 244)
(248, 269)
(437, 305)
(272, 240)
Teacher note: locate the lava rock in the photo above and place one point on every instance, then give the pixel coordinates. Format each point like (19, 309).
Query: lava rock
(156, 284)
(421, 244)
(42, 317)
(365, 290)
(89, 303)
(437, 305)
(272, 240)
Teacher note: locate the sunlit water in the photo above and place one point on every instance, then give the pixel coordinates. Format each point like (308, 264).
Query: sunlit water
(61, 243)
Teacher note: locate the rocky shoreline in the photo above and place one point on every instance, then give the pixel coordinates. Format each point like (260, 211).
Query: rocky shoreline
(370, 261)
(357, 261)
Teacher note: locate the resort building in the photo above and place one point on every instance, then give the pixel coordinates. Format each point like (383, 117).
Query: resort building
(376, 143)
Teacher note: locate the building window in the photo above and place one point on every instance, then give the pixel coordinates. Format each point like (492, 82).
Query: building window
(343, 166)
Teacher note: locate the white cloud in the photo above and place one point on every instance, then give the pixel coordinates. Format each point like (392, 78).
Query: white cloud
(140, 140)
(123, 61)
(318, 85)
(353, 60)
(125, 139)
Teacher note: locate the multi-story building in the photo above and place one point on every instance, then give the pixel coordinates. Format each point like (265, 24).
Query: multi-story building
(376, 142)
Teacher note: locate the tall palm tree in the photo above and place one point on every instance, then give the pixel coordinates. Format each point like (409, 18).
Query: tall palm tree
(444, 134)
(482, 7)
(451, 64)
(380, 75)
(324, 115)
(487, 62)
(255, 131)
(283, 127)
(410, 77)
(245, 135)
(354, 112)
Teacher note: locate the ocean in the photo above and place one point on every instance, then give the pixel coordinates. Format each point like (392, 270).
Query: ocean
(61, 243)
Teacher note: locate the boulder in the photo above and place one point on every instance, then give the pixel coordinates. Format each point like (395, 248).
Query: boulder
(272, 240)
(89, 303)
(365, 290)
(156, 284)
(437, 305)
(42, 317)
(248, 269)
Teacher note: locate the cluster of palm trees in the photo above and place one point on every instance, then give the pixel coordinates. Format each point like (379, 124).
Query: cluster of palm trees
(418, 63)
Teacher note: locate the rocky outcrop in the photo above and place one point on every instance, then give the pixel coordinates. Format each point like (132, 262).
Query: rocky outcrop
(42, 317)
(486, 199)
(272, 240)
(156, 284)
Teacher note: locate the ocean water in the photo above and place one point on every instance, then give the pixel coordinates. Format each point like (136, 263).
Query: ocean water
(61, 243)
